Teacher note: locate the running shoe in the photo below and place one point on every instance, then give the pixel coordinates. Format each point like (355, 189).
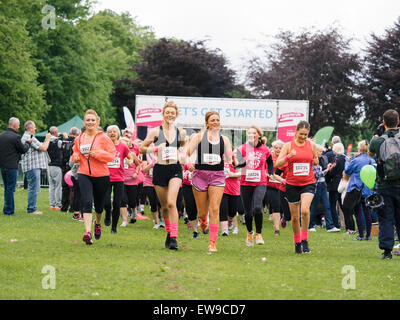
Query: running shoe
(114, 231)
(277, 233)
(334, 229)
(358, 238)
(225, 233)
(297, 248)
(173, 244)
(235, 231)
(304, 245)
(162, 225)
(249, 240)
(167, 240)
(259, 238)
(76, 217)
(242, 219)
(195, 235)
(189, 226)
(396, 253)
(124, 224)
(52, 208)
(212, 247)
(283, 222)
(97, 231)
(386, 255)
(230, 225)
(204, 225)
(133, 220)
(312, 230)
(156, 226)
(367, 238)
(107, 220)
(87, 238)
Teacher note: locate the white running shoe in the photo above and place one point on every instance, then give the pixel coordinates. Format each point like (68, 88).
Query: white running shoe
(124, 224)
(156, 226)
(225, 233)
(235, 231)
(249, 240)
(334, 229)
(259, 238)
(312, 230)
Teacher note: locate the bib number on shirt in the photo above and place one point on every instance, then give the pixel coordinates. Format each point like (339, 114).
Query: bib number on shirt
(84, 149)
(301, 169)
(253, 175)
(211, 159)
(169, 153)
(226, 171)
(115, 164)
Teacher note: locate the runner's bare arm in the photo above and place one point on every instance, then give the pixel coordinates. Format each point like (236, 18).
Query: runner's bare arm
(193, 143)
(228, 150)
(151, 136)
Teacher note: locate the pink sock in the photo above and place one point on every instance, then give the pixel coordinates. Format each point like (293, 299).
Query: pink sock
(214, 232)
(297, 237)
(174, 230)
(304, 235)
(167, 225)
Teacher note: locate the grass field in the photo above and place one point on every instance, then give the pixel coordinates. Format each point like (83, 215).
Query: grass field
(134, 263)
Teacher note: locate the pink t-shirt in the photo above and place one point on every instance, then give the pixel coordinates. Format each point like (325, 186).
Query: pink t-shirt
(148, 176)
(187, 175)
(128, 175)
(232, 185)
(116, 166)
(253, 174)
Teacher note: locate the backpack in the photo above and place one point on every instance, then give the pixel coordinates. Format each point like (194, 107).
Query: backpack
(389, 157)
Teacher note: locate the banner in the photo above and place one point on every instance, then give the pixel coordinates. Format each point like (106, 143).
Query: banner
(290, 112)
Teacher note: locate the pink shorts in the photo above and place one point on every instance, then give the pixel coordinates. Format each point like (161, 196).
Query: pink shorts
(202, 179)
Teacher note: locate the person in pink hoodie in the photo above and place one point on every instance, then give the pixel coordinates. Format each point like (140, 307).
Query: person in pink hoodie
(93, 150)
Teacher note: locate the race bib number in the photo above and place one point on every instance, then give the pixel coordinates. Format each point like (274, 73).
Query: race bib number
(226, 171)
(301, 169)
(211, 159)
(253, 175)
(84, 149)
(115, 164)
(190, 176)
(169, 153)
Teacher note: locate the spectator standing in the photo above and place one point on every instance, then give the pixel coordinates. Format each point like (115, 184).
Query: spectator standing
(11, 148)
(33, 161)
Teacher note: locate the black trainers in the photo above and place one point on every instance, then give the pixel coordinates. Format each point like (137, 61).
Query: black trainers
(114, 231)
(133, 220)
(277, 233)
(107, 220)
(304, 245)
(358, 238)
(297, 248)
(195, 235)
(167, 240)
(386, 255)
(173, 245)
(97, 231)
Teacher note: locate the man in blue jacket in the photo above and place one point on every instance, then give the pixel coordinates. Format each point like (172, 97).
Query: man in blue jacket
(11, 149)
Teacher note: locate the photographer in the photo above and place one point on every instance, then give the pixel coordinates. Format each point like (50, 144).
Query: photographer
(66, 150)
(386, 145)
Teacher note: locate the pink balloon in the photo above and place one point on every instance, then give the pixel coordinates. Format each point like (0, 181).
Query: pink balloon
(67, 178)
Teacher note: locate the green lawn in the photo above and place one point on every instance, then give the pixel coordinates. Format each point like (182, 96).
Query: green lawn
(135, 265)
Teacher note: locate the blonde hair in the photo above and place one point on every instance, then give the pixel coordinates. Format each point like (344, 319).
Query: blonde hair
(260, 133)
(170, 104)
(94, 113)
(363, 146)
(338, 148)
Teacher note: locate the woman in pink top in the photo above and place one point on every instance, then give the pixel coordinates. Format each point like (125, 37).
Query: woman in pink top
(117, 169)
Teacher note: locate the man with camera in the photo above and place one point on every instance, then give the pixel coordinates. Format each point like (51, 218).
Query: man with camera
(386, 145)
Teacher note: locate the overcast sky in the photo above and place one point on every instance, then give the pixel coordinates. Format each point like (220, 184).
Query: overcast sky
(236, 27)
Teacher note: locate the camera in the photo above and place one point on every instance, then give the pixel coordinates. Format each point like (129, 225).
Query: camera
(380, 130)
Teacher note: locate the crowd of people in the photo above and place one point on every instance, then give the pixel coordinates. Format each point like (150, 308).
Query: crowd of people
(207, 181)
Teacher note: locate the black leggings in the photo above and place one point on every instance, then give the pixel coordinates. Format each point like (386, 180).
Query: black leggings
(141, 196)
(252, 198)
(76, 198)
(151, 194)
(92, 190)
(285, 210)
(190, 202)
(228, 207)
(118, 189)
(130, 196)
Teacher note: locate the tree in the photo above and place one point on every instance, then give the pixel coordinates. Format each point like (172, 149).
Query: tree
(178, 68)
(381, 86)
(310, 66)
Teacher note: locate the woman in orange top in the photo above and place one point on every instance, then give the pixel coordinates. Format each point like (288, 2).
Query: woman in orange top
(93, 150)
(299, 154)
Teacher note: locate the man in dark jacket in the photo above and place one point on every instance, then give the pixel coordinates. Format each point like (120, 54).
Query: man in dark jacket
(11, 149)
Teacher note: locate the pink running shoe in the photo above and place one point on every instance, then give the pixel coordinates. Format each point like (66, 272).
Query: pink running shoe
(87, 238)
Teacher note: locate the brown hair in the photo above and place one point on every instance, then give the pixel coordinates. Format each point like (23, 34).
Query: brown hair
(170, 104)
(209, 114)
(303, 125)
(391, 118)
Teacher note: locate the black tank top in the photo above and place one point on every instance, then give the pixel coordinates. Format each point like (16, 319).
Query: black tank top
(208, 154)
(161, 139)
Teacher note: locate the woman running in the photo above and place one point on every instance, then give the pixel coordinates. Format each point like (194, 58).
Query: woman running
(167, 172)
(93, 150)
(300, 155)
(255, 158)
(208, 180)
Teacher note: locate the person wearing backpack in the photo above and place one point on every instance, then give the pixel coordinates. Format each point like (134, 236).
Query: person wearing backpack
(386, 146)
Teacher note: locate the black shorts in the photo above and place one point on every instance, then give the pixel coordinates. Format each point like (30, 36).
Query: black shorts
(163, 173)
(273, 200)
(293, 193)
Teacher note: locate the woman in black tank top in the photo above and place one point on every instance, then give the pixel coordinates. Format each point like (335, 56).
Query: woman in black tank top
(167, 172)
(208, 180)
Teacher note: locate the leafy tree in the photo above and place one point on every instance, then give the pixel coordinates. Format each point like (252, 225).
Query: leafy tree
(310, 66)
(381, 86)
